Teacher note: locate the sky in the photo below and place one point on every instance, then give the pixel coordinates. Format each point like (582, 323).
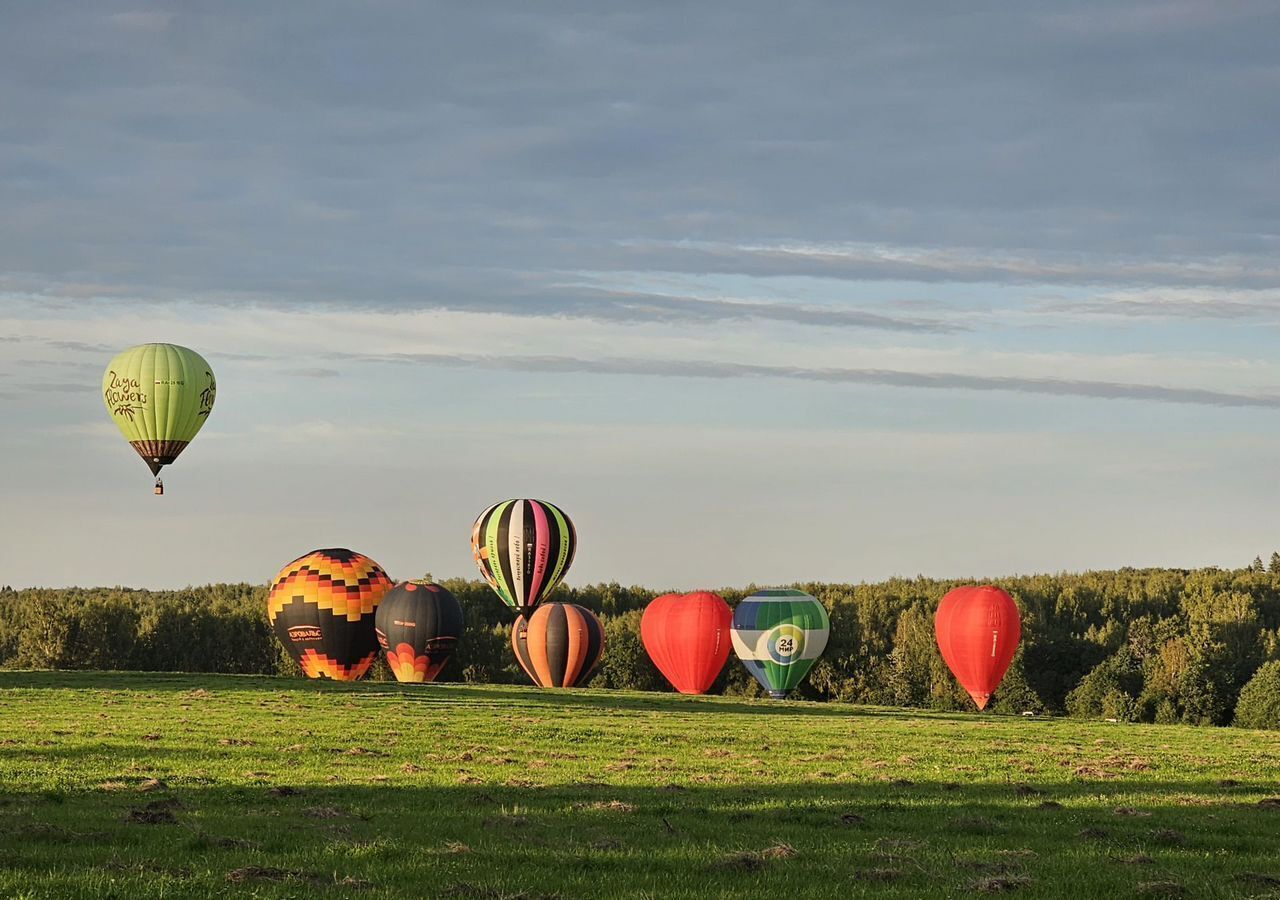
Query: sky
(756, 292)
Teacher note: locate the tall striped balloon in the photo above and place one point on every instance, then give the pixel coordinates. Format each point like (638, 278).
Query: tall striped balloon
(559, 645)
(523, 548)
(779, 635)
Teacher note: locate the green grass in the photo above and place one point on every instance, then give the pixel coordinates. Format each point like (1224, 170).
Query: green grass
(281, 788)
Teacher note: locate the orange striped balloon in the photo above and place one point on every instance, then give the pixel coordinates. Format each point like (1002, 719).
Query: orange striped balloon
(559, 645)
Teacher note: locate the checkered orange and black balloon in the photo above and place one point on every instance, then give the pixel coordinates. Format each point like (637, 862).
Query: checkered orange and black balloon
(321, 607)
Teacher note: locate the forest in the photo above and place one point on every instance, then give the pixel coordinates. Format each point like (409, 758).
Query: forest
(1196, 646)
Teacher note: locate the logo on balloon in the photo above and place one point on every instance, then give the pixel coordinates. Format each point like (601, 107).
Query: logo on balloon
(207, 395)
(785, 644)
(302, 633)
(124, 395)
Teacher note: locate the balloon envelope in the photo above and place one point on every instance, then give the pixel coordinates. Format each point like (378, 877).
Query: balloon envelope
(687, 637)
(159, 396)
(978, 629)
(418, 624)
(779, 635)
(523, 548)
(321, 607)
(559, 645)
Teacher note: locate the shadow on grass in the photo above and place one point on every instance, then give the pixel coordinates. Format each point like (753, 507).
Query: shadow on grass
(472, 695)
(616, 840)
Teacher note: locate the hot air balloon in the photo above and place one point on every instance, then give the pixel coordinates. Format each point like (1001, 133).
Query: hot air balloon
(159, 396)
(558, 645)
(687, 637)
(418, 626)
(523, 549)
(978, 629)
(778, 635)
(321, 607)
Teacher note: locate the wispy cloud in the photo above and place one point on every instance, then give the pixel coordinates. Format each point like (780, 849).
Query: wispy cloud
(946, 264)
(316, 372)
(57, 387)
(1105, 390)
(82, 346)
(1171, 303)
(575, 301)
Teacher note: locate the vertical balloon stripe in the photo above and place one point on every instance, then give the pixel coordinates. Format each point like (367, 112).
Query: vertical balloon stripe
(572, 538)
(197, 379)
(536, 644)
(479, 541)
(555, 543)
(595, 648)
(520, 644)
(516, 549)
(174, 412)
(555, 642)
(173, 371)
(144, 373)
(576, 652)
(542, 545)
(564, 556)
(156, 361)
(495, 541)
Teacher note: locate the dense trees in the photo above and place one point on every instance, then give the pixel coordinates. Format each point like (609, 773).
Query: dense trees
(1259, 705)
(1157, 645)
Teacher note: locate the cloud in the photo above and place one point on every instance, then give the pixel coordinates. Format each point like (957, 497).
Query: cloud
(313, 373)
(81, 346)
(1105, 390)
(1225, 305)
(943, 265)
(603, 305)
(57, 387)
(553, 294)
(355, 161)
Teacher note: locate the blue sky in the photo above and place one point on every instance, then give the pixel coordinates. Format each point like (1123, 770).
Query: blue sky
(757, 293)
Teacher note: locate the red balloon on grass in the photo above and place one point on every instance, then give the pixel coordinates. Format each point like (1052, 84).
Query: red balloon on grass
(687, 637)
(978, 629)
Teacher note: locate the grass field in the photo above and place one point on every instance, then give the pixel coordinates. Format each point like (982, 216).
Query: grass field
(132, 786)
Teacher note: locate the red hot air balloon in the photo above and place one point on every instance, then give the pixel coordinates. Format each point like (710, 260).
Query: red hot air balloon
(978, 630)
(687, 637)
(558, 645)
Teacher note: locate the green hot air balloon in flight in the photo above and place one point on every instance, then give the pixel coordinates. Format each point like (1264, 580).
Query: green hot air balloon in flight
(159, 396)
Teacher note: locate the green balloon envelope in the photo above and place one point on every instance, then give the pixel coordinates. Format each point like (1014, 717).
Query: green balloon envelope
(779, 635)
(159, 396)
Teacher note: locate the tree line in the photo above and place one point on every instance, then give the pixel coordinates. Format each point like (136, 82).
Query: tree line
(1138, 645)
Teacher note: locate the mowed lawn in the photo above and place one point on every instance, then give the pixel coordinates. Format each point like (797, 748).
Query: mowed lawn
(138, 785)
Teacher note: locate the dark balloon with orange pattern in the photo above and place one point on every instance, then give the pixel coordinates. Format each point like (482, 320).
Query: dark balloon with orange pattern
(559, 645)
(418, 627)
(321, 607)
